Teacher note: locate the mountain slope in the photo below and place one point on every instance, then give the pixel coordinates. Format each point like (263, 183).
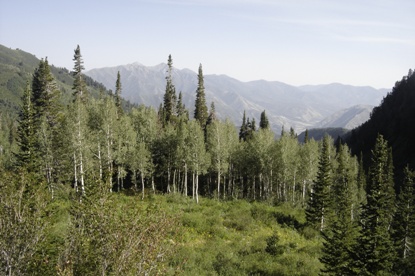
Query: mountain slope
(347, 118)
(17, 67)
(394, 118)
(286, 105)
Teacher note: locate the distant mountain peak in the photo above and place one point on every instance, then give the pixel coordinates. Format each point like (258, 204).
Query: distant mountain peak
(286, 105)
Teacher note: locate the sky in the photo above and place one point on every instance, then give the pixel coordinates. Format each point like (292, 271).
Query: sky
(299, 42)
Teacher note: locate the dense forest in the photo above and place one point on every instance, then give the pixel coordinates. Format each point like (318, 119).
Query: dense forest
(93, 185)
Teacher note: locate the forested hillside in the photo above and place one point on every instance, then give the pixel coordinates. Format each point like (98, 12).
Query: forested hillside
(394, 118)
(90, 187)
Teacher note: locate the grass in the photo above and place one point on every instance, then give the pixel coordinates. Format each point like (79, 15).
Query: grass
(240, 238)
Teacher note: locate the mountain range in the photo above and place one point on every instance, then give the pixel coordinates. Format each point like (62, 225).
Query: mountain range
(302, 107)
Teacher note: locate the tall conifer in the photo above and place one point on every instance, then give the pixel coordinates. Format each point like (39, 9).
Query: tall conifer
(319, 202)
(264, 122)
(340, 235)
(26, 155)
(375, 254)
(201, 112)
(403, 227)
(79, 86)
(118, 95)
(169, 107)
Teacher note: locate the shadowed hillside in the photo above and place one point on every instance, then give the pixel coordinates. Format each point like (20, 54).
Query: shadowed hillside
(394, 118)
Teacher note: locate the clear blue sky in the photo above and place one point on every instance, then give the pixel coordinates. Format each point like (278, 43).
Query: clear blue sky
(358, 42)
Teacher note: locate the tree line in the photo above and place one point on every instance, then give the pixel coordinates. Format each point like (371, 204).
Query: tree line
(93, 146)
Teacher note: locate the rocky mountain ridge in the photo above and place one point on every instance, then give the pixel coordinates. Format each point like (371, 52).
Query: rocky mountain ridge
(301, 108)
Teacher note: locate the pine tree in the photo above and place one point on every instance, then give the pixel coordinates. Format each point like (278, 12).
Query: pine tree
(212, 114)
(264, 123)
(375, 254)
(79, 125)
(340, 235)
(118, 103)
(201, 112)
(243, 129)
(306, 138)
(403, 227)
(182, 112)
(47, 119)
(319, 202)
(169, 107)
(26, 132)
(79, 86)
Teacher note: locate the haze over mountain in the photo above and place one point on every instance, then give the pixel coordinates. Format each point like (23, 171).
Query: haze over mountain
(330, 105)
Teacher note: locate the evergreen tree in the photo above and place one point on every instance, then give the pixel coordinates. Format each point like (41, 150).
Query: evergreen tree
(201, 111)
(244, 128)
(47, 119)
(169, 107)
(26, 132)
(375, 254)
(319, 202)
(306, 138)
(340, 235)
(44, 91)
(79, 86)
(264, 123)
(403, 227)
(182, 112)
(118, 95)
(78, 117)
(212, 114)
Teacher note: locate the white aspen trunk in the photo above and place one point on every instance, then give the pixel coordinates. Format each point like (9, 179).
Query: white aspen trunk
(153, 186)
(109, 157)
(218, 183)
(100, 161)
(81, 171)
(185, 179)
(118, 179)
(197, 187)
(142, 185)
(75, 184)
(179, 181)
(193, 185)
(168, 180)
(293, 197)
(322, 221)
(174, 181)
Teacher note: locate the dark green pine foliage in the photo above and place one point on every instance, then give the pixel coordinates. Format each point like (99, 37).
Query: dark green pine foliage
(306, 138)
(79, 86)
(403, 227)
(201, 110)
(375, 254)
(47, 118)
(44, 90)
(340, 235)
(264, 122)
(169, 107)
(361, 182)
(244, 128)
(182, 112)
(26, 156)
(118, 89)
(319, 201)
(212, 114)
(292, 133)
